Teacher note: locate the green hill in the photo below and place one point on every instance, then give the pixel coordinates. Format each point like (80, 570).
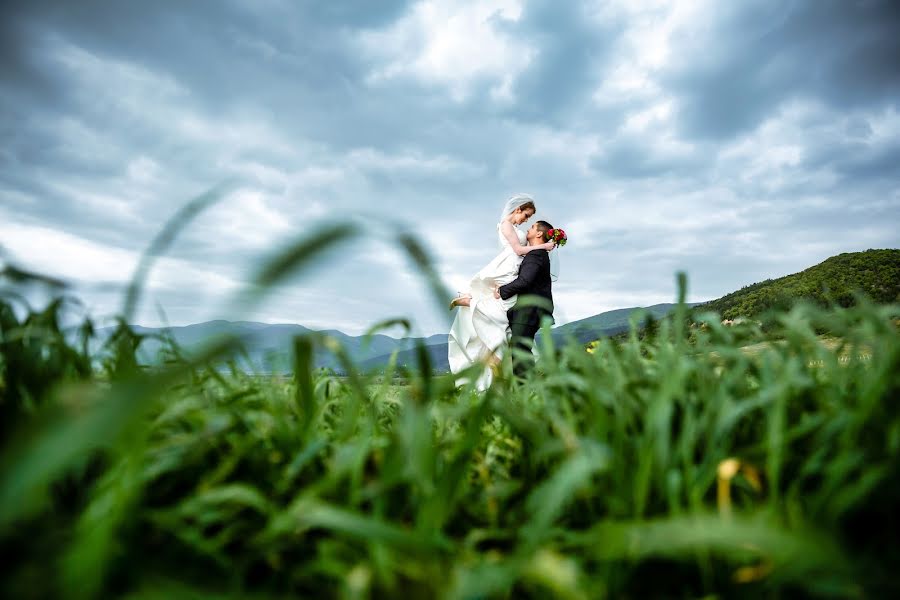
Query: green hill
(875, 273)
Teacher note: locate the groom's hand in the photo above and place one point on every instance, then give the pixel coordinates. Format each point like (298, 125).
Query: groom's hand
(497, 292)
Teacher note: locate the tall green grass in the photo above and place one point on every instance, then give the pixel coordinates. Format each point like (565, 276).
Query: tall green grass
(673, 465)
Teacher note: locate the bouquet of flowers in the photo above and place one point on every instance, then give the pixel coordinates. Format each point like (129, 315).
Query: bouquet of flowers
(556, 235)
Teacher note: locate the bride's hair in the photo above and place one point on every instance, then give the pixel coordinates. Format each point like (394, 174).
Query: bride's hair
(526, 206)
(544, 227)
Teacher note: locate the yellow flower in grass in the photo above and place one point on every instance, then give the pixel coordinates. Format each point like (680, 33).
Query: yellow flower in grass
(752, 573)
(727, 471)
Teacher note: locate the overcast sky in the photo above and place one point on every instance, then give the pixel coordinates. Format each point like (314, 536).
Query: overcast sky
(737, 141)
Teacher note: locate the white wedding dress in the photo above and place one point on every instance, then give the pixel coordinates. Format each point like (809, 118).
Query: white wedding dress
(482, 329)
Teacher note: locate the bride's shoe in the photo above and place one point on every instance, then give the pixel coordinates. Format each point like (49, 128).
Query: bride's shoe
(459, 298)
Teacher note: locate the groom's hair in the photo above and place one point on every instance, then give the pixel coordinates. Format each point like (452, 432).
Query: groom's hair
(544, 227)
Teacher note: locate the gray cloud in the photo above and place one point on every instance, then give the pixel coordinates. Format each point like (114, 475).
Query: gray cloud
(638, 158)
(764, 142)
(758, 55)
(572, 49)
(857, 159)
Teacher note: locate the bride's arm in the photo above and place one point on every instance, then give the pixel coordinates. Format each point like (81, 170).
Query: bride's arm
(509, 233)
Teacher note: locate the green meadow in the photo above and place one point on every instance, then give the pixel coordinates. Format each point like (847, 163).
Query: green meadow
(695, 461)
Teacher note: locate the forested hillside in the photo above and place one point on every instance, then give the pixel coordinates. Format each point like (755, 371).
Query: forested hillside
(876, 273)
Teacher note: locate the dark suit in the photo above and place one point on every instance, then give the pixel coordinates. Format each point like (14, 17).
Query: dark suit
(532, 283)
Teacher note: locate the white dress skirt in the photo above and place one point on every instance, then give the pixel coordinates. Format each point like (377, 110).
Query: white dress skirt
(482, 329)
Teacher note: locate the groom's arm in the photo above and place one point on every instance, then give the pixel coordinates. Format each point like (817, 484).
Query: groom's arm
(528, 272)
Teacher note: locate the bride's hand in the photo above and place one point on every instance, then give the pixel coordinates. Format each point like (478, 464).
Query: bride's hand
(548, 246)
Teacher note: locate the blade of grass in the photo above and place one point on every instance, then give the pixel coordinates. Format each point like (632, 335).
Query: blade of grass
(161, 243)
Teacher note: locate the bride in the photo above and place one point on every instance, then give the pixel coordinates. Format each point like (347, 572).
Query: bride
(479, 331)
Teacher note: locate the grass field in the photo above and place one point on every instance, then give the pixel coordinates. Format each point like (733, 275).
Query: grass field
(674, 465)
(648, 468)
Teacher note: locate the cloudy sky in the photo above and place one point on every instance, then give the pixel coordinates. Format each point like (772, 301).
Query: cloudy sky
(737, 141)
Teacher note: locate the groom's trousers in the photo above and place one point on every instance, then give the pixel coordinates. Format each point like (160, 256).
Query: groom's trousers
(521, 343)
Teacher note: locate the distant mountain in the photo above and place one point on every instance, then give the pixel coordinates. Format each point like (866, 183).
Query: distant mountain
(606, 324)
(584, 330)
(437, 354)
(268, 347)
(875, 273)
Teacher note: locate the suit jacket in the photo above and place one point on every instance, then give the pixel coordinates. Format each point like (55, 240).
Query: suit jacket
(533, 280)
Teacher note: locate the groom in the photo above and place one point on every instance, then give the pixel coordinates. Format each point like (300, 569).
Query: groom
(535, 298)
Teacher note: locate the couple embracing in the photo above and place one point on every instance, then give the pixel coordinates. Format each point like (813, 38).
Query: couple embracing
(508, 298)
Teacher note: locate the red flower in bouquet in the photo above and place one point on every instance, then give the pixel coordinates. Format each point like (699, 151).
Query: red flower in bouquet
(557, 235)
